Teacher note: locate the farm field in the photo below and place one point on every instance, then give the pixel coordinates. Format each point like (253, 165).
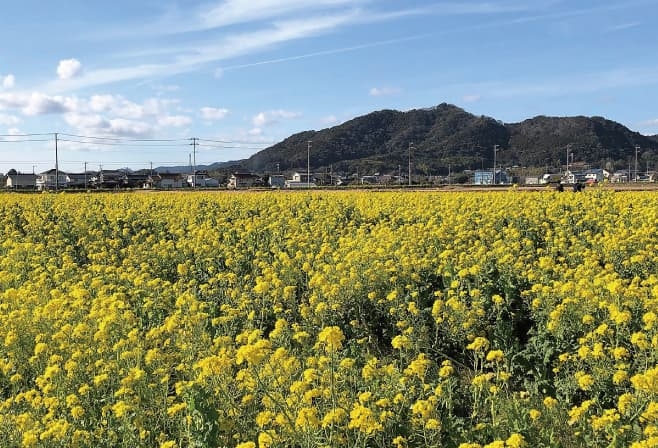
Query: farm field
(307, 319)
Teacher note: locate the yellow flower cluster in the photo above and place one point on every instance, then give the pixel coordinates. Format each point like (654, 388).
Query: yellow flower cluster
(402, 319)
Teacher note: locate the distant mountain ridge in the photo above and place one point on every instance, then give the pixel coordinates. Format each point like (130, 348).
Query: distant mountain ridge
(188, 169)
(447, 137)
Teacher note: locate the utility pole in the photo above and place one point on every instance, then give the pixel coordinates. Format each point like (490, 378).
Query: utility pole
(411, 145)
(56, 165)
(399, 175)
(569, 154)
(85, 175)
(493, 179)
(308, 164)
(194, 143)
(637, 148)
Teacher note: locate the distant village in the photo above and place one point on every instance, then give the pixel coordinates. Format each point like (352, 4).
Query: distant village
(146, 179)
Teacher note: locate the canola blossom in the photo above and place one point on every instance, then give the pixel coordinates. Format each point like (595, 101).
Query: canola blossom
(365, 319)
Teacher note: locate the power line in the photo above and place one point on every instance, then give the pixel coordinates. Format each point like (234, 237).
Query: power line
(124, 139)
(235, 142)
(25, 140)
(226, 147)
(24, 135)
(125, 144)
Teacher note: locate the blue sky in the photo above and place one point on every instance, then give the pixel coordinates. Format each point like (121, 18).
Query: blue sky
(110, 77)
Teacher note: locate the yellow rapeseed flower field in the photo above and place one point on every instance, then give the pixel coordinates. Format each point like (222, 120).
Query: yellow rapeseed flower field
(366, 319)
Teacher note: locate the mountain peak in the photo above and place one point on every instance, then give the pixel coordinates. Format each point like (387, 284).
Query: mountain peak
(446, 136)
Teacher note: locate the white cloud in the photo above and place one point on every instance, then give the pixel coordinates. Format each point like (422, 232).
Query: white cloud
(623, 26)
(102, 103)
(176, 121)
(329, 120)
(213, 113)
(42, 104)
(98, 115)
(36, 103)
(8, 81)
(165, 88)
(85, 121)
(231, 12)
(69, 68)
(97, 125)
(196, 55)
(129, 128)
(473, 98)
(255, 132)
(384, 91)
(653, 122)
(13, 131)
(9, 120)
(273, 117)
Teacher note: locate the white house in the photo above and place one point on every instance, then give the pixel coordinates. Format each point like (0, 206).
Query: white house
(302, 177)
(51, 179)
(201, 179)
(300, 180)
(242, 180)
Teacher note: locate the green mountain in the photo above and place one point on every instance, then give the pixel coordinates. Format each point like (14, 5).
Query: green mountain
(446, 136)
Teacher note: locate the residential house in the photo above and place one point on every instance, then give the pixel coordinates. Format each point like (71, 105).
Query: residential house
(620, 176)
(109, 179)
(138, 179)
(19, 181)
(302, 177)
(300, 180)
(486, 177)
(574, 177)
(369, 180)
(201, 179)
(596, 175)
(276, 181)
(51, 180)
(241, 179)
(79, 180)
(166, 181)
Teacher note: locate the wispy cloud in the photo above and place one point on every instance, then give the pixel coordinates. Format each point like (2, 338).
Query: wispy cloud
(8, 81)
(567, 13)
(213, 113)
(273, 117)
(327, 52)
(477, 8)
(577, 83)
(200, 54)
(231, 12)
(623, 26)
(270, 23)
(650, 123)
(471, 98)
(383, 91)
(9, 120)
(329, 120)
